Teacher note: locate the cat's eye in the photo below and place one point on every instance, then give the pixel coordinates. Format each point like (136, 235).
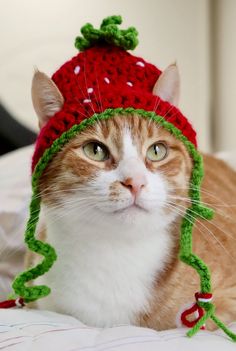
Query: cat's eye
(157, 152)
(96, 151)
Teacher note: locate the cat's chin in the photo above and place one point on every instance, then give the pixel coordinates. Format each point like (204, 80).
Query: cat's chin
(135, 215)
(130, 215)
(131, 209)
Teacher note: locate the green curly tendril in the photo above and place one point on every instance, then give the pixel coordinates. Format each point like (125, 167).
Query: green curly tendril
(108, 33)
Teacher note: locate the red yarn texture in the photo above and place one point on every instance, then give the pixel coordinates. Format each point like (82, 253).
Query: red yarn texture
(105, 77)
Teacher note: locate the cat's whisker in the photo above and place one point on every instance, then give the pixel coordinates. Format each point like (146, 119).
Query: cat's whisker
(168, 111)
(86, 85)
(203, 190)
(214, 206)
(70, 208)
(99, 93)
(212, 223)
(83, 93)
(171, 116)
(200, 202)
(49, 189)
(78, 101)
(76, 201)
(5, 248)
(180, 213)
(204, 226)
(97, 98)
(157, 103)
(84, 209)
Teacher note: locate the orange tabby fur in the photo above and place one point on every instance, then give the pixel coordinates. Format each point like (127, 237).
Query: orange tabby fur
(214, 241)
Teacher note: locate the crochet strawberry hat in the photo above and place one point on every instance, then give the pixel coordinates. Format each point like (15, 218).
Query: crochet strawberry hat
(104, 80)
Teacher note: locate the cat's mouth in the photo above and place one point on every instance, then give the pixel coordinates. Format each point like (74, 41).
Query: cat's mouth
(131, 208)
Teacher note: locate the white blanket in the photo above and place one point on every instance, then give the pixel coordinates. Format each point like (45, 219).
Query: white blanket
(42, 330)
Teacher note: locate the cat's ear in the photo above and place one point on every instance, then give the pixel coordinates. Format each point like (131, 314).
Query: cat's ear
(167, 86)
(46, 97)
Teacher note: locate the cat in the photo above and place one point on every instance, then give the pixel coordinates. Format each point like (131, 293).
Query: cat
(112, 203)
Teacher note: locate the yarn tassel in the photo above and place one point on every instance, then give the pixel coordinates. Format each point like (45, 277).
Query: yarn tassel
(19, 302)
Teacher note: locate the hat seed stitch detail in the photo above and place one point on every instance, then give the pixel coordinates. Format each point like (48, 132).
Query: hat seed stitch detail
(140, 63)
(77, 70)
(107, 80)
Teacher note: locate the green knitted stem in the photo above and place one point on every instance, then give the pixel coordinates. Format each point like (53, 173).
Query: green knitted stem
(196, 210)
(108, 33)
(223, 327)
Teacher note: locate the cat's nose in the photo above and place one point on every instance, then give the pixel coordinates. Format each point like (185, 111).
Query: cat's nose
(134, 184)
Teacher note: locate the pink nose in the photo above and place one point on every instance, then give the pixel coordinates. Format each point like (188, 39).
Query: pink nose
(134, 185)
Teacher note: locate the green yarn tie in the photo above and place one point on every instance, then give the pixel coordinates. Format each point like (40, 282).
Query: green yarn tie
(196, 210)
(108, 33)
(34, 293)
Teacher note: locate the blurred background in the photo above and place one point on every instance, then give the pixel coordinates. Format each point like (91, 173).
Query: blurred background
(198, 34)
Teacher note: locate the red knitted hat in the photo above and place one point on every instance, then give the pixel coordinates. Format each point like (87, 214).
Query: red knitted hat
(106, 76)
(98, 83)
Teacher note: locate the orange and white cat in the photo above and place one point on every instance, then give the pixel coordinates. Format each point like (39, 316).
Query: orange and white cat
(113, 200)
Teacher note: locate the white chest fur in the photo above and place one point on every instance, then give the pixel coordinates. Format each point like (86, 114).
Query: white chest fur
(103, 276)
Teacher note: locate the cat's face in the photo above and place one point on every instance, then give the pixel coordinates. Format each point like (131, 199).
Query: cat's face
(126, 170)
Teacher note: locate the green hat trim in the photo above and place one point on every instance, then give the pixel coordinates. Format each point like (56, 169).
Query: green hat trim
(108, 33)
(186, 255)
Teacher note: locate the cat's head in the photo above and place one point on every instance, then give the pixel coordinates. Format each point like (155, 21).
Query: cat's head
(126, 170)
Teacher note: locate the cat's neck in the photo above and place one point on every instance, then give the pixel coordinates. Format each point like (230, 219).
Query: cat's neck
(103, 260)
